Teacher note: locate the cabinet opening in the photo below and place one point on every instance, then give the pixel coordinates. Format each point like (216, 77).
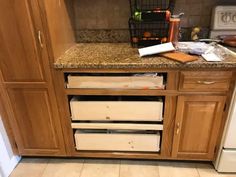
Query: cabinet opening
(138, 74)
(117, 98)
(119, 122)
(108, 131)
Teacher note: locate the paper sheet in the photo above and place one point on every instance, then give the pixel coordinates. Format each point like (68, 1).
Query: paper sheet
(161, 48)
(211, 57)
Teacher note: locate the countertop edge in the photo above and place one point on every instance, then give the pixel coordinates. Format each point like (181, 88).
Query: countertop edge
(152, 66)
(112, 56)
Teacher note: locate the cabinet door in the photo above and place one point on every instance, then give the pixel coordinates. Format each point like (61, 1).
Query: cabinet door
(35, 122)
(198, 120)
(19, 47)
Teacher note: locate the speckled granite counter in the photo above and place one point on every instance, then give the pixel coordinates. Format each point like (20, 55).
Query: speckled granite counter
(123, 56)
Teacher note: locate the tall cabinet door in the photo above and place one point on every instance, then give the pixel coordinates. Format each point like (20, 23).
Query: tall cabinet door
(197, 125)
(26, 85)
(19, 51)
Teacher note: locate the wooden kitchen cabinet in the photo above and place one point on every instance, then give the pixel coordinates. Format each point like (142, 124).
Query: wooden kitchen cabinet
(197, 124)
(43, 119)
(27, 91)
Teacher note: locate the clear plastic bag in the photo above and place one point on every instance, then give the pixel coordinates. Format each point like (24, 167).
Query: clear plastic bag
(204, 49)
(220, 52)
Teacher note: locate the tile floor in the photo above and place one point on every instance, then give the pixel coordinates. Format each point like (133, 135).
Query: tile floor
(34, 167)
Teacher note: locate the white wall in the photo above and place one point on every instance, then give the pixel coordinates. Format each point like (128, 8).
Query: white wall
(7, 159)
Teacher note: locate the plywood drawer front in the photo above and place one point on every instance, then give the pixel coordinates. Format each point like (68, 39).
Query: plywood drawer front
(116, 110)
(103, 82)
(205, 81)
(117, 142)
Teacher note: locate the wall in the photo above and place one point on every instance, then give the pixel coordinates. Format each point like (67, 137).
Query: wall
(107, 20)
(102, 20)
(7, 159)
(60, 21)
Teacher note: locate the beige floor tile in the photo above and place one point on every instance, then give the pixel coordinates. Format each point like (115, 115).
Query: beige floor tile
(177, 169)
(139, 169)
(63, 168)
(101, 168)
(207, 170)
(30, 167)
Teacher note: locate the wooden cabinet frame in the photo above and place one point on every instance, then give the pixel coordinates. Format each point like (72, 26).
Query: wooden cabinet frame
(169, 113)
(171, 95)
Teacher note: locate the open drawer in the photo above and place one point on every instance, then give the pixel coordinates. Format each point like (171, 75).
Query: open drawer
(117, 141)
(115, 81)
(126, 110)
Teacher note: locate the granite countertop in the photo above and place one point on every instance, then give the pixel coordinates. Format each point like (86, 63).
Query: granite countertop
(123, 56)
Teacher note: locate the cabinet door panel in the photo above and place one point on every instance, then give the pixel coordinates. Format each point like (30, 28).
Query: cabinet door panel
(38, 130)
(198, 121)
(19, 55)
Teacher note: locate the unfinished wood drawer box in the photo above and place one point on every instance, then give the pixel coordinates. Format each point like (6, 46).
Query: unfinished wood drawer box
(117, 142)
(116, 110)
(116, 82)
(117, 126)
(205, 81)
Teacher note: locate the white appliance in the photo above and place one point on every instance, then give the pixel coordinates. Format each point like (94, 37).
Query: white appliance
(226, 160)
(8, 160)
(223, 21)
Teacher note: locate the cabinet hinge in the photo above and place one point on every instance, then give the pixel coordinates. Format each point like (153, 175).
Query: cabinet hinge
(65, 85)
(15, 145)
(225, 107)
(215, 150)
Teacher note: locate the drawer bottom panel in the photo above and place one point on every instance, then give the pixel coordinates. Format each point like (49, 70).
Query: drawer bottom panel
(117, 142)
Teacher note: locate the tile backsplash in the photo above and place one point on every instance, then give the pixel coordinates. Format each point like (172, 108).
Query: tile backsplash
(102, 14)
(107, 20)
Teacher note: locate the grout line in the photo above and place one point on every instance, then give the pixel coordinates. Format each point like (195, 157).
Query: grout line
(158, 173)
(119, 168)
(82, 168)
(198, 173)
(45, 167)
(197, 170)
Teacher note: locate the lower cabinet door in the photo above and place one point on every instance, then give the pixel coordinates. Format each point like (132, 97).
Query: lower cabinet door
(35, 121)
(197, 125)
